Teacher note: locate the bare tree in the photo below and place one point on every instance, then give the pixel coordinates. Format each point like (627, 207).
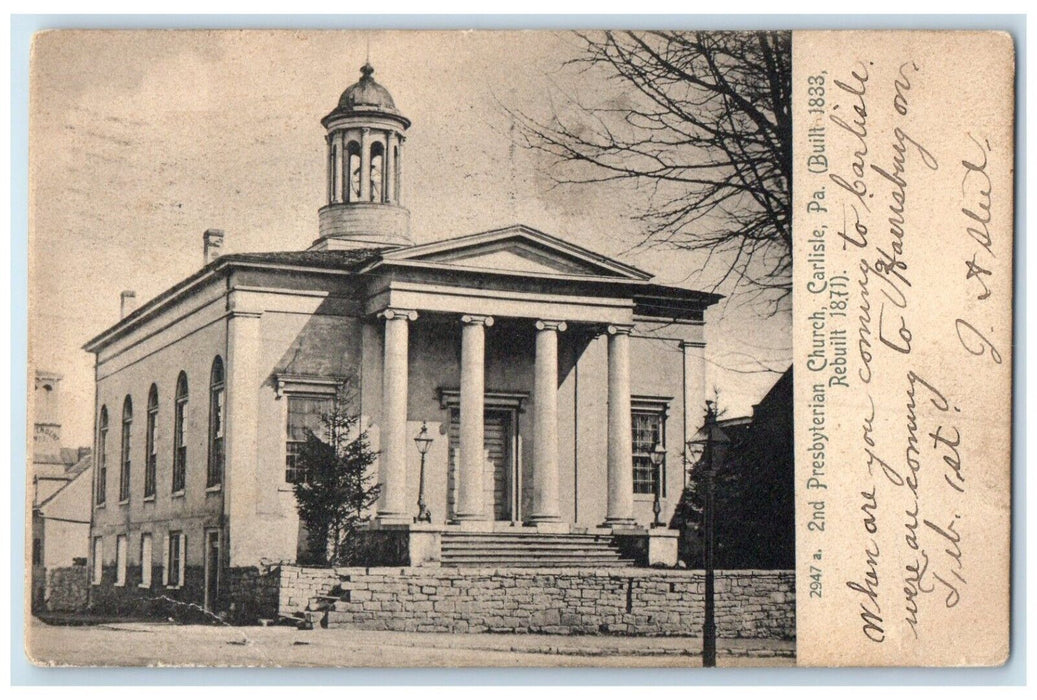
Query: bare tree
(704, 119)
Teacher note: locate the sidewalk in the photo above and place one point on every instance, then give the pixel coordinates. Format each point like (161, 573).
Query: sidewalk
(163, 644)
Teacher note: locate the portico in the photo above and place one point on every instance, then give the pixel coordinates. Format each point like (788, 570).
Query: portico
(550, 309)
(471, 506)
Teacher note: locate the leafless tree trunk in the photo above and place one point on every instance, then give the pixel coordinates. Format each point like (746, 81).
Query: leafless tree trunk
(704, 119)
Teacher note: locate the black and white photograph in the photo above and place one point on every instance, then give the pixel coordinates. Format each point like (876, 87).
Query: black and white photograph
(410, 349)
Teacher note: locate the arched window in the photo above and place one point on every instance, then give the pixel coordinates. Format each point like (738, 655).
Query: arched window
(102, 456)
(377, 168)
(216, 413)
(179, 443)
(124, 471)
(353, 156)
(151, 452)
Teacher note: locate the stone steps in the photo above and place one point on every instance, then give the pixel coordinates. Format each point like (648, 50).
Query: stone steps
(525, 563)
(527, 550)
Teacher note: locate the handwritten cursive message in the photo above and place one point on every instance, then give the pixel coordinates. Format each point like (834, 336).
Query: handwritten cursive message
(903, 317)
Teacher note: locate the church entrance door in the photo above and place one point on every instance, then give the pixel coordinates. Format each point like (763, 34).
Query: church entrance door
(499, 477)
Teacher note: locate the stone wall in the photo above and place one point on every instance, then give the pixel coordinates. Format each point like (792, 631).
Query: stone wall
(67, 589)
(751, 604)
(250, 593)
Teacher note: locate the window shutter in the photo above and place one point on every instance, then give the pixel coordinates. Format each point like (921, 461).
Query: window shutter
(183, 558)
(165, 559)
(146, 558)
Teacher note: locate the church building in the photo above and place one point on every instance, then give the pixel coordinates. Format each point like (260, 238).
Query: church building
(558, 387)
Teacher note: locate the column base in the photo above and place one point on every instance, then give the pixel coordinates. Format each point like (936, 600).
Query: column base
(620, 523)
(472, 523)
(393, 519)
(548, 523)
(553, 526)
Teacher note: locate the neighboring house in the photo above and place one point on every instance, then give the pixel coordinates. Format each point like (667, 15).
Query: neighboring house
(546, 373)
(60, 538)
(60, 490)
(754, 487)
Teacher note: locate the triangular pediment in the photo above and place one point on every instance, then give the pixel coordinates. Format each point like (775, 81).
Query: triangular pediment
(516, 250)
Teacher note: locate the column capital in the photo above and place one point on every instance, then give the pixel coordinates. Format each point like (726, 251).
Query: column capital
(620, 329)
(365, 130)
(545, 325)
(405, 314)
(476, 320)
(245, 314)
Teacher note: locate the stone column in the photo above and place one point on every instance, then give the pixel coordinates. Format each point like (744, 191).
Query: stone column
(389, 169)
(392, 505)
(545, 423)
(694, 390)
(620, 509)
(470, 505)
(365, 165)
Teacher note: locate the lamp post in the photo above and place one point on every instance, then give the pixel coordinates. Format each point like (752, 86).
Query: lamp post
(658, 458)
(423, 441)
(701, 452)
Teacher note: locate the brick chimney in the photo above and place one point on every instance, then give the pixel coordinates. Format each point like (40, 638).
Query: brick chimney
(212, 241)
(127, 303)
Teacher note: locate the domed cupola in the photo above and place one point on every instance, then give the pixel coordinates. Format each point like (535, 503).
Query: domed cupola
(365, 139)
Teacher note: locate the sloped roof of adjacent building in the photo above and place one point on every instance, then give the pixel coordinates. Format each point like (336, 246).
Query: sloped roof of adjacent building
(71, 502)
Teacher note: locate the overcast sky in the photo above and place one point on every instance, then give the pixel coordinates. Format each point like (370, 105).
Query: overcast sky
(141, 141)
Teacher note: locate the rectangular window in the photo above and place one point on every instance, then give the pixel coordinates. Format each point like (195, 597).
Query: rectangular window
(120, 560)
(37, 552)
(98, 554)
(175, 568)
(304, 417)
(648, 431)
(145, 560)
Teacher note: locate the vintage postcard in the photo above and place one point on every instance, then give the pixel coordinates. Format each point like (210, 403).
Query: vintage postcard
(591, 348)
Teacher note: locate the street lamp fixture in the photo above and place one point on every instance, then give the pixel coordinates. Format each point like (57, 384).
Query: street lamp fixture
(658, 459)
(701, 450)
(423, 441)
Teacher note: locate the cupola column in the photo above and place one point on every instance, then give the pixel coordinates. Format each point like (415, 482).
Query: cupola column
(340, 169)
(365, 165)
(398, 165)
(389, 171)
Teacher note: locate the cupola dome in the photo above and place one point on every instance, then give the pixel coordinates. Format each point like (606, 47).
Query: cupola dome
(365, 94)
